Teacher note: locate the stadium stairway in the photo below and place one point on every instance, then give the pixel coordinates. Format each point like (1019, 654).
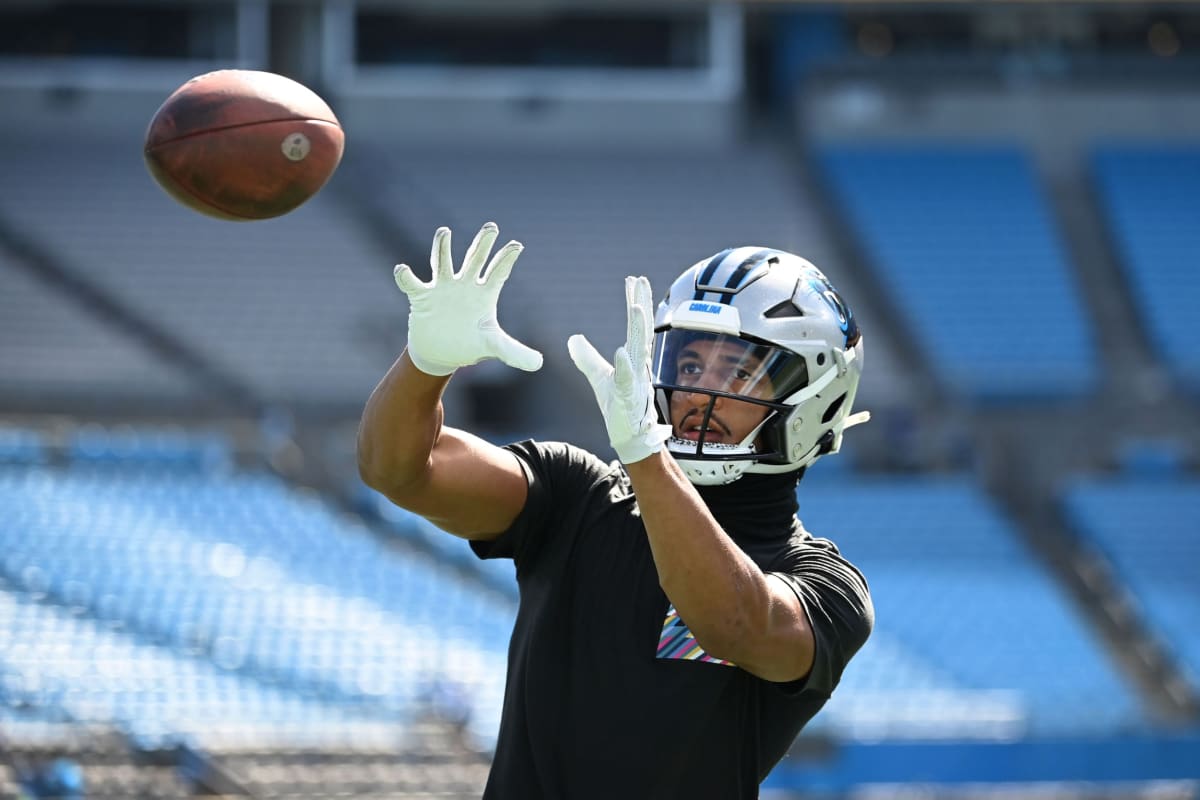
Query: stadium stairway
(1100, 595)
(1141, 524)
(955, 585)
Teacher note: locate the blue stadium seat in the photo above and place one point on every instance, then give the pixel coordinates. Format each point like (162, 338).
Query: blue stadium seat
(70, 666)
(159, 448)
(259, 580)
(1151, 195)
(964, 244)
(956, 592)
(499, 574)
(21, 446)
(1150, 457)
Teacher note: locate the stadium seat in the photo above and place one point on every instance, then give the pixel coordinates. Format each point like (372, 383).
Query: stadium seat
(1151, 197)
(256, 579)
(965, 615)
(963, 242)
(21, 445)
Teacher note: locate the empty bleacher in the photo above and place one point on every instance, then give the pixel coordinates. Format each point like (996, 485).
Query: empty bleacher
(239, 581)
(56, 658)
(970, 611)
(1151, 197)
(962, 240)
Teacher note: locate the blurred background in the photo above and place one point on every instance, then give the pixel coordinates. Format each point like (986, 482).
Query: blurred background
(197, 595)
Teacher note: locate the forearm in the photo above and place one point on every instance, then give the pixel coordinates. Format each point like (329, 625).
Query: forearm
(400, 426)
(721, 594)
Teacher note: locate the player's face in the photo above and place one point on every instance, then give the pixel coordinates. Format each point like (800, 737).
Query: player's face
(725, 366)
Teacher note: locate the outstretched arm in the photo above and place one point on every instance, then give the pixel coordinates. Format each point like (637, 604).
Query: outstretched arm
(457, 481)
(735, 610)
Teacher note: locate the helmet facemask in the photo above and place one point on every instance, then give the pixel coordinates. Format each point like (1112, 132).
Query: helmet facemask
(723, 395)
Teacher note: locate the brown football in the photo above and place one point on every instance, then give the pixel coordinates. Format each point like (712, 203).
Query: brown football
(242, 144)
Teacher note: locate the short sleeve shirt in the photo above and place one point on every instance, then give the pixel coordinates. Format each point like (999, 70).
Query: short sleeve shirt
(608, 694)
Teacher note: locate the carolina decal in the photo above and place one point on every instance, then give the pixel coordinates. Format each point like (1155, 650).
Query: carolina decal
(677, 643)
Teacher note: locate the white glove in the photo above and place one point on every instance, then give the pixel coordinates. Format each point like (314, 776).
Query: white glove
(624, 389)
(452, 319)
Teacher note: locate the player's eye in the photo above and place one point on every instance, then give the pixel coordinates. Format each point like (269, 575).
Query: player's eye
(690, 368)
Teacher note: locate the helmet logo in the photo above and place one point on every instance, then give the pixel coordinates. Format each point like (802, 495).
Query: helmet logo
(821, 286)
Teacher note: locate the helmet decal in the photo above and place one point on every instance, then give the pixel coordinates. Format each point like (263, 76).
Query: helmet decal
(730, 270)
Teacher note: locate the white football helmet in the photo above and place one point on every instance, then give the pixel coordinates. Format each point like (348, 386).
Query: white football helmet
(754, 333)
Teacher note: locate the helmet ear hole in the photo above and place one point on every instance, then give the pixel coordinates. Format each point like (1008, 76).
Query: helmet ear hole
(833, 409)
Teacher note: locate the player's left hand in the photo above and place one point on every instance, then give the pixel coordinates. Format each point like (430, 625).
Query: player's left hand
(624, 388)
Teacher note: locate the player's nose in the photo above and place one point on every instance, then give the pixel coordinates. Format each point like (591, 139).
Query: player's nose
(699, 398)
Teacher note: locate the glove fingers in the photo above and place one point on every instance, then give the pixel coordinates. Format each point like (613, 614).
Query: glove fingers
(588, 360)
(440, 258)
(637, 347)
(516, 354)
(478, 252)
(623, 372)
(407, 280)
(644, 296)
(630, 305)
(501, 265)
(644, 301)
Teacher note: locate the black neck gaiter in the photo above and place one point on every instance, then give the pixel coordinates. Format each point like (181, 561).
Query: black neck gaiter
(755, 507)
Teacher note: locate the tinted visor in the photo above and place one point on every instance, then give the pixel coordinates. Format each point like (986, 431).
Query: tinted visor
(719, 364)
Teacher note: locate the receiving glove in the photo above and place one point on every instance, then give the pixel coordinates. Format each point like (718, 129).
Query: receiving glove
(624, 389)
(452, 319)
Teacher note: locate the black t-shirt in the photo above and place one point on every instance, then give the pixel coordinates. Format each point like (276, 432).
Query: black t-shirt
(608, 695)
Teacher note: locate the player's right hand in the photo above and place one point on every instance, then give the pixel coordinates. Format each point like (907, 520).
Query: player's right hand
(624, 388)
(452, 318)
